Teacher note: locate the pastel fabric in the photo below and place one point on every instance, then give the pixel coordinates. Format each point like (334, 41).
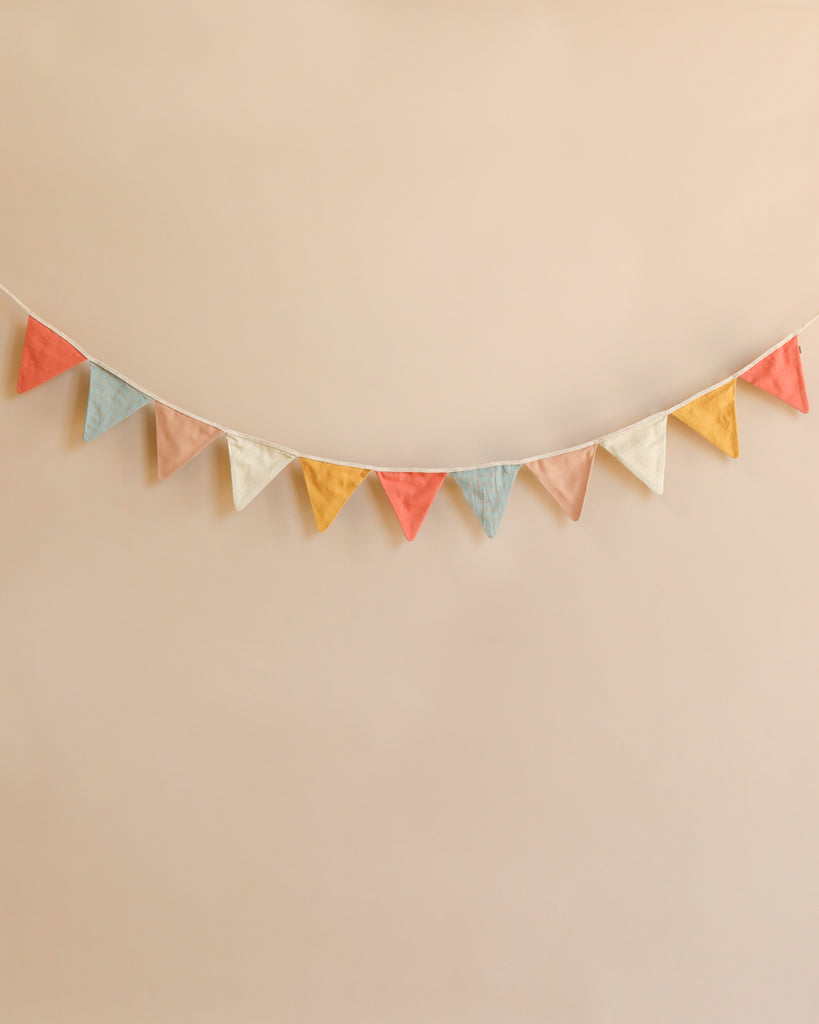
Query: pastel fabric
(641, 449)
(110, 401)
(487, 491)
(178, 439)
(566, 477)
(45, 355)
(781, 375)
(253, 464)
(411, 496)
(714, 415)
(329, 486)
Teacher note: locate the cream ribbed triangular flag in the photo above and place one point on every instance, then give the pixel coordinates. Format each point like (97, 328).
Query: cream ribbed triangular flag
(253, 464)
(641, 449)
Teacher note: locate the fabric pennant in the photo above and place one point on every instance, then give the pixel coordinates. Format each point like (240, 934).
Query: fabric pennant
(253, 464)
(781, 375)
(487, 491)
(566, 477)
(329, 487)
(45, 355)
(110, 401)
(714, 415)
(641, 449)
(179, 438)
(411, 495)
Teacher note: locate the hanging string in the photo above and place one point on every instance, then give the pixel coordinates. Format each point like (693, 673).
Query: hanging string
(438, 469)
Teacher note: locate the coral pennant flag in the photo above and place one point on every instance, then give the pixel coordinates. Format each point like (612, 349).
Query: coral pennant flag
(780, 374)
(179, 438)
(329, 487)
(566, 477)
(641, 449)
(253, 465)
(411, 495)
(487, 491)
(714, 415)
(45, 355)
(110, 401)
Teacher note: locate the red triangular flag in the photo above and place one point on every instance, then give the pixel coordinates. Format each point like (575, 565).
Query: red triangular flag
(566, 477)
(45, 354)
(411, 495)
(780, 374)
(179, 438)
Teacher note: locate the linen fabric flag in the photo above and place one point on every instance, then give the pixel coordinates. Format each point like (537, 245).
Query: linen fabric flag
(781, 375)
(110, 401)
(487, 491)
(178, 439)
(329, 487)
(714, 415)
(45, 355)
(411, 495)
(566, 477)
(253, 464)
(641, 449)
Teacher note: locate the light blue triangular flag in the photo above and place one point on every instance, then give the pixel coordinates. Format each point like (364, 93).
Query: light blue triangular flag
(487, 491)
(110, 401)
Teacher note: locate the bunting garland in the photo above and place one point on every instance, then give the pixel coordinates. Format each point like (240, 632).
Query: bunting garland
(254, 463)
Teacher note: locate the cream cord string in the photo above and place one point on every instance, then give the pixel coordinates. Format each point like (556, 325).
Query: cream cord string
(361, 465)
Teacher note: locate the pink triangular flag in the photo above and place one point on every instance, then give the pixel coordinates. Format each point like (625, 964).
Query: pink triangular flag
(780, 374)
(566, 477)
(45, 354)
(411, 495)
(179, 438)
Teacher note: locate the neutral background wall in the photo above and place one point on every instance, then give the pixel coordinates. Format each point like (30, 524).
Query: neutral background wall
(251, 773)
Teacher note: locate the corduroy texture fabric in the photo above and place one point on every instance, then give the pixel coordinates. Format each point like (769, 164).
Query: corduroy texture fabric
(566, 478)
(110, 401)
(329, 487)
(781, 375)
(487, 491)
(641, 449)
(252, 466)
(411, 495)
(45, 355)
(178, 439)
(714, 415)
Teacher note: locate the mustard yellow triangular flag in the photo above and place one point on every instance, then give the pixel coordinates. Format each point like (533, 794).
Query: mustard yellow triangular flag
(329, 486)
(714, 415)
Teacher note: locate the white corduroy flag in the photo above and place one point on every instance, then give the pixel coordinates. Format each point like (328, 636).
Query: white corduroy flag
(641, 449)
(253, 465)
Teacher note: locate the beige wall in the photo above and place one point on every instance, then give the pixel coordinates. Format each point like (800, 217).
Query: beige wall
(250, 773)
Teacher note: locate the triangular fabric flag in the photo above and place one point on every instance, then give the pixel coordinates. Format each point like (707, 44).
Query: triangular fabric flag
(253, 465)
(411, 495)
(178, 438)
(780, 374)
(110, 401)
(487, 491)
(641, 449)
(566, 477)
(329, 487)
(45, 355)
(714, 415)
